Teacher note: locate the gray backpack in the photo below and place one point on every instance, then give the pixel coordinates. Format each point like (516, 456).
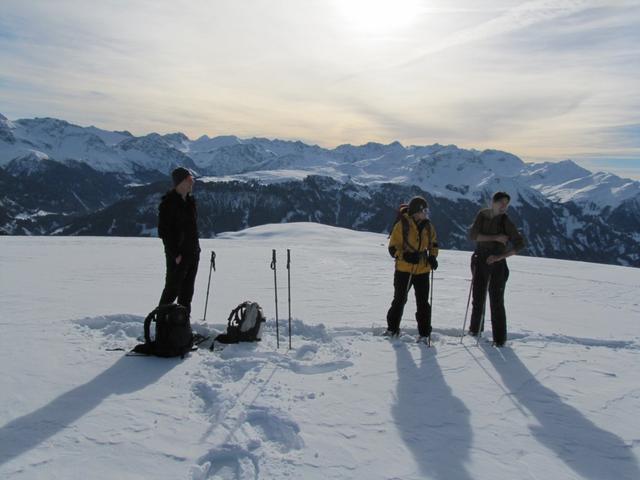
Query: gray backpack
(244, 324)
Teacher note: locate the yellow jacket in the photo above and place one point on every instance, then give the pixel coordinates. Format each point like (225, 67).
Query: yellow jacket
(417, 239)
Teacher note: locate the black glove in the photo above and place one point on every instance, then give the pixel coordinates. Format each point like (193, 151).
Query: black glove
(433, 261)
(392, 251)
(411, 257)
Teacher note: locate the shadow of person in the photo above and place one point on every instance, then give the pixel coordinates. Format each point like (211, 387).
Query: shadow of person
(590, 451)
(127, 375)
(433, 423)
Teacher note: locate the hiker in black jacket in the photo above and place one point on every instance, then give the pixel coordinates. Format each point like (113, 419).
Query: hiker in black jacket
(178, 228)
(497, 238)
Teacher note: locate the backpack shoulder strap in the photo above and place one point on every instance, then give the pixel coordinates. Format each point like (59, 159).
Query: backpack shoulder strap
(405, 233)
(233, 315)
(147, 325)
(237, 313)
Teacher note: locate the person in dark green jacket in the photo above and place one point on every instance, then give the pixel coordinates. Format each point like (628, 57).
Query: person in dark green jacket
(496, 239)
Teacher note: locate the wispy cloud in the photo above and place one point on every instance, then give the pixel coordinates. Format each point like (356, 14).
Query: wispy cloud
(521, 16)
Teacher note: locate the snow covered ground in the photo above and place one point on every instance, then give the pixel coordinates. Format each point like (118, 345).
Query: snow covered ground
(561, 401)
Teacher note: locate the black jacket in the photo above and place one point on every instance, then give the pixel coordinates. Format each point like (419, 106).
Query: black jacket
(178, 225)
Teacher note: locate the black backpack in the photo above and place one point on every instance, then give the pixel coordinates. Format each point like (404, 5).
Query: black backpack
(173, 338)
(244, 324)
(402, 209)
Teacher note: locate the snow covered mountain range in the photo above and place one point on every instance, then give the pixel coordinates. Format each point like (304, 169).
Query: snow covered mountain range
(60, 178)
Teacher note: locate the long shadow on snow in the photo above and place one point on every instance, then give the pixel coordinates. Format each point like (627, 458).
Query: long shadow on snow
(590, 451)
(127, 375)
(433, 423)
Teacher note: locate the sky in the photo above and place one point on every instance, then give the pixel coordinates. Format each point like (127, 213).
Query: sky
(546, 80)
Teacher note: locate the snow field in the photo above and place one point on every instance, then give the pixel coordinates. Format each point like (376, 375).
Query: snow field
(560, 401)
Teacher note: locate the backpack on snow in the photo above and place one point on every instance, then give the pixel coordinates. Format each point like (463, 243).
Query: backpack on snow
(173, 337)
(244, 324)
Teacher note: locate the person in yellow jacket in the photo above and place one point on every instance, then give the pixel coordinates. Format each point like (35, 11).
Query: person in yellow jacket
(414, 245)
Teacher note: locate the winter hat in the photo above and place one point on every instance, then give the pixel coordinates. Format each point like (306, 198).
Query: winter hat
(416, 204)
(178, 175)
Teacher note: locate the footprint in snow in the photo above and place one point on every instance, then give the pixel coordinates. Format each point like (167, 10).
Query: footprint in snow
(229, 462)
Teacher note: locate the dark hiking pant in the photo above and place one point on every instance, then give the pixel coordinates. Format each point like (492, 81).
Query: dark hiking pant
(179, 280)
(400, 294)
(494, 279)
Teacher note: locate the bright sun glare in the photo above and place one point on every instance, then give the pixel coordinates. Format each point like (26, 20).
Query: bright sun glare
(379, 16)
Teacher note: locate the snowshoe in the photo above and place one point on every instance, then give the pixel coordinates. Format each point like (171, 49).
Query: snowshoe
(391, 334)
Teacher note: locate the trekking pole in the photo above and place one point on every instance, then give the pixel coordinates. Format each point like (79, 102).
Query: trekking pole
(466, 312)
(289, 291)
(212, 266)
(275, 286)
(406, 293)
(431, 301)
(484, 310)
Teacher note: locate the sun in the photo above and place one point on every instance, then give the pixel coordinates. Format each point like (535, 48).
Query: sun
(379, 16)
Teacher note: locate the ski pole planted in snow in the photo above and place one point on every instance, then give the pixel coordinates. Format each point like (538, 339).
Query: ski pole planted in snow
(466, 312)
(406, 293)
(431, 301)
(289, 291)
(275, 287)
(212, 267)
(484, 309)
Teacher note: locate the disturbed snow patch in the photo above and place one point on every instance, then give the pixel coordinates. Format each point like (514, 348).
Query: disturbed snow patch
(244, 392)
(113, 330)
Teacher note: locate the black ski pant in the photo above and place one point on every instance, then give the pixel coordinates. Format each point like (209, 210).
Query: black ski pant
(400, 295)
(494, 279)
(179, 280)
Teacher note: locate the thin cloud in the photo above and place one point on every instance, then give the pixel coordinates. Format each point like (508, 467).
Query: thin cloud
(543, 79)
(517, 18)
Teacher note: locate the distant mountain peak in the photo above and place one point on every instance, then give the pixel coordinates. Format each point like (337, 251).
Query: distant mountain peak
(29, 164)
(126, 133)
(52, 121)
(176, 136)
(6, 130)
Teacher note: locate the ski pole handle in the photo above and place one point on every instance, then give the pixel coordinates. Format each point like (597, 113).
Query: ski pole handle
(213, 260)
(273, 259)
(288, 259)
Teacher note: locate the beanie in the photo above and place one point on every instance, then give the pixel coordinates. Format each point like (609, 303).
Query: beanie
(416, 204)
(178, 175)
